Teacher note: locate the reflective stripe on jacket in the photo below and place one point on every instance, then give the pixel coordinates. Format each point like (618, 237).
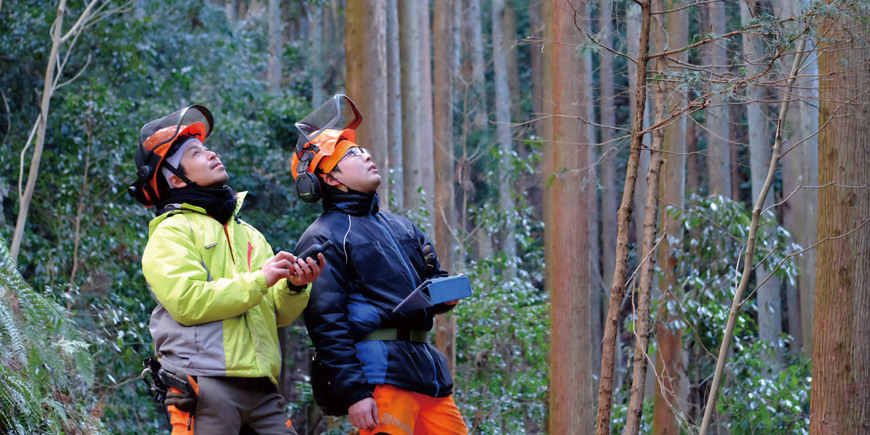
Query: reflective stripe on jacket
(215, 316)
(375, 262)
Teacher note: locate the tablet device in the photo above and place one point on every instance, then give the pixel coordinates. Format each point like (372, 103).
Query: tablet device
(435, 291)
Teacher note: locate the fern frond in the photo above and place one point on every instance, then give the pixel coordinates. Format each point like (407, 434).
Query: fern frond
(10, 329)
(47, 363)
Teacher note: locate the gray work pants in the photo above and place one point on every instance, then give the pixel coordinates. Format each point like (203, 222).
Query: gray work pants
(225, 404)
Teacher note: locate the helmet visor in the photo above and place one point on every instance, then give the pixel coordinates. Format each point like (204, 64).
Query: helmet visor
(178, 120)
(338, 113)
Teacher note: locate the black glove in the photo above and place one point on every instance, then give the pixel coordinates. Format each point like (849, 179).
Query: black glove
(184, 402)
(429, 259)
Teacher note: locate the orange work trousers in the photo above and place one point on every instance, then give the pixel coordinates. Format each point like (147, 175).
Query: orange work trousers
(402, 412)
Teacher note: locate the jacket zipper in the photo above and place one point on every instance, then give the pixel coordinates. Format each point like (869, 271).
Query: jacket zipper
(230, 243)
(396, 247)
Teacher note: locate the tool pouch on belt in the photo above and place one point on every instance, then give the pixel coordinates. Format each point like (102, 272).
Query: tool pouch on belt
(181, 392)
(321, 387)
(169, 388)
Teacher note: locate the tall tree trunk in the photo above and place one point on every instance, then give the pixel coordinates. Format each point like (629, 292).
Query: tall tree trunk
(365, 45)
(716, 119)
(230, 8)
(648, 259)
(409, 49)
(769, 303)
(317, 69)
(276, 40)
(669, 356)
(596, 283)
(536, 29)
(513, 69)
(395, 178)
(609, 150)
(840, 397)
(566, 226)
(617, 289)
(445, 212)
(427, 144)
(504, 135)
(473, 38)
(633, 26)
(538, 124)
(800, 172)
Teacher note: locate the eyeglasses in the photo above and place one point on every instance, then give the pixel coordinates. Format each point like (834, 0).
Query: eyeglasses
(355, 151)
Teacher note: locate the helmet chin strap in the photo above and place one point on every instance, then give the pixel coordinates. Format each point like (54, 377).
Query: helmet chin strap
(180, 176)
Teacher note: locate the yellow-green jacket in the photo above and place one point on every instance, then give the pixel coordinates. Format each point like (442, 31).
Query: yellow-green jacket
(215, 316)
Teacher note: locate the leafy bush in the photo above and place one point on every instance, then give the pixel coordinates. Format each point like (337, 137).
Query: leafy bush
(46, 371)
(754, 397)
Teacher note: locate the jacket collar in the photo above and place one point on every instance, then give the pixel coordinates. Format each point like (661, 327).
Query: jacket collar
(240, 198)
(353, 202)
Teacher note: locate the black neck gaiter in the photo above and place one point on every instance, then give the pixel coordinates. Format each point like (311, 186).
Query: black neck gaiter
(218, 202)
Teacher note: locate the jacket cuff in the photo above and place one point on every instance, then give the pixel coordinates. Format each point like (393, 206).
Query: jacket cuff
(260, 279)
(295, 289)
(357, 395)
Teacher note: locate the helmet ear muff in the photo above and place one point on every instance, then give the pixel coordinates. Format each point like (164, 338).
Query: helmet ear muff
(308, 187)
(141, 189)
(307, 184)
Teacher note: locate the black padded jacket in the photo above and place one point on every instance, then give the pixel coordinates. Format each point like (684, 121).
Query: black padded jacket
(375, 262)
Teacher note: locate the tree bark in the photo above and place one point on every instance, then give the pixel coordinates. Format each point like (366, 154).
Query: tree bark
(445, 212)
(510, 41)
(504, 135)
(473, 37)
(365, 45)
(276, 40)
(395, 178)
(716, 120)
(409, 49)
(566, 225)
(617, 289)
(633, 23)
(669, 356)
(315, 68)
(840, 397)
(427, 145)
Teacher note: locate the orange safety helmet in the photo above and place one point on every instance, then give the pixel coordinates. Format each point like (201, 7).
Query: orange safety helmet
(324, 136)
(157, 141)
(332, 145)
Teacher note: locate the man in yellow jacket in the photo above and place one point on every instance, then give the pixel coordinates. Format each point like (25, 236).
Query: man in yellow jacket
(221, 293)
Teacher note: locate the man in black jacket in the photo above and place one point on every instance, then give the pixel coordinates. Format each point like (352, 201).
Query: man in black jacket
(375, 365)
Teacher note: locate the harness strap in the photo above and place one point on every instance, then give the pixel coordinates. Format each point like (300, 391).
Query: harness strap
(397, 334)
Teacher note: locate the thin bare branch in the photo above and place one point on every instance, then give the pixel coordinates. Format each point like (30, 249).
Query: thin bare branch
(81, 71)
(747, 268)
(23, 151)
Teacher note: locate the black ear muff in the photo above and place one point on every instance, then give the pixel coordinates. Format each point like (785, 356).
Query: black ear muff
(140, 190)
(307, 184)
(308, 187)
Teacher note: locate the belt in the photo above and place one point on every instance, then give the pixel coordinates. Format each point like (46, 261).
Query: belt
(392, 334)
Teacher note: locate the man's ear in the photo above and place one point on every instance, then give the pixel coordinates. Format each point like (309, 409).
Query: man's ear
(176, 182)
(330, 180)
